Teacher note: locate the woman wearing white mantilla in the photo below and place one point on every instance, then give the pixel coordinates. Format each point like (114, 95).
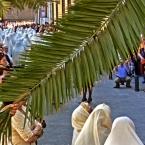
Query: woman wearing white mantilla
(97, 127)
(79, 117)
(123, 133)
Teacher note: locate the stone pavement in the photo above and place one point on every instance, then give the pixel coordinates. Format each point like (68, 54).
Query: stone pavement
(122, 101)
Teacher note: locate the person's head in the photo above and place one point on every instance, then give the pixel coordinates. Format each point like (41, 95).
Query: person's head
(1, 49)
(1, 53)
(87, 106)
(97, 127)
(122, 123)
(123, 133)
(121, 62)
(103, 112)
(1, 45)
(126, 62)
(80, 115)
(142, 50)
(22, 103)
(9, 105)
(116, 68)
(5, 48)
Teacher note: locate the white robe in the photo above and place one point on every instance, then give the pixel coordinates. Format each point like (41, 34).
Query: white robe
(18, 50)
(123, 133)
(97, 127)
(79, 117)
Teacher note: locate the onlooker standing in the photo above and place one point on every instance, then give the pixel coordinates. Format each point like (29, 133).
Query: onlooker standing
(131, 67)
(141, 55)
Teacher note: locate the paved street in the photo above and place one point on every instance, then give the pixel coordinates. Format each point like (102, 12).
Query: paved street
(122, 101)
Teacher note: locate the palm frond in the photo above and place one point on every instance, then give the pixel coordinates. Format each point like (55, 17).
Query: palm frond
(86, 46)
(91, 50)
(5, 6)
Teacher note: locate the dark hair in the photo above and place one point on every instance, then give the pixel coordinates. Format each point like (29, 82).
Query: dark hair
(1, 55)
(7, 103)
(43, 124)
(1, 71)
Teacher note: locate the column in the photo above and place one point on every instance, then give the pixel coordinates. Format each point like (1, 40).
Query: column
(56, 11)
(63, 7)
(69, 3)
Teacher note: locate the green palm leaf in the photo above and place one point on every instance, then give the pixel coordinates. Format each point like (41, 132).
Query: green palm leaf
(86, 46)
(103, 42)
(5, 6)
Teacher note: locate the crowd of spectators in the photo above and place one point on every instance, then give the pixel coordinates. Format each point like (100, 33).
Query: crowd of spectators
(44, 28)
(39, 28)
(16, 40)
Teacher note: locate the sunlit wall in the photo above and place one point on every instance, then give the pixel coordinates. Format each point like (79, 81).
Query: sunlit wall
(53, 11)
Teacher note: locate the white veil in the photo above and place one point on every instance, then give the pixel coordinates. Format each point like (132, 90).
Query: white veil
(97, 127)
(79, 117)
(123, 133)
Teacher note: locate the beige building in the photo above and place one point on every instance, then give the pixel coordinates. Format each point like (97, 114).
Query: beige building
(23, 15)
(53, 11)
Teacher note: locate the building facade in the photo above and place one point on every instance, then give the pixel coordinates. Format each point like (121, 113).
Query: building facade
(20, 15)
(53, 11)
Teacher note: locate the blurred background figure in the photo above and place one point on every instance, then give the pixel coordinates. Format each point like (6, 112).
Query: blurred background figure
(141, 54)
